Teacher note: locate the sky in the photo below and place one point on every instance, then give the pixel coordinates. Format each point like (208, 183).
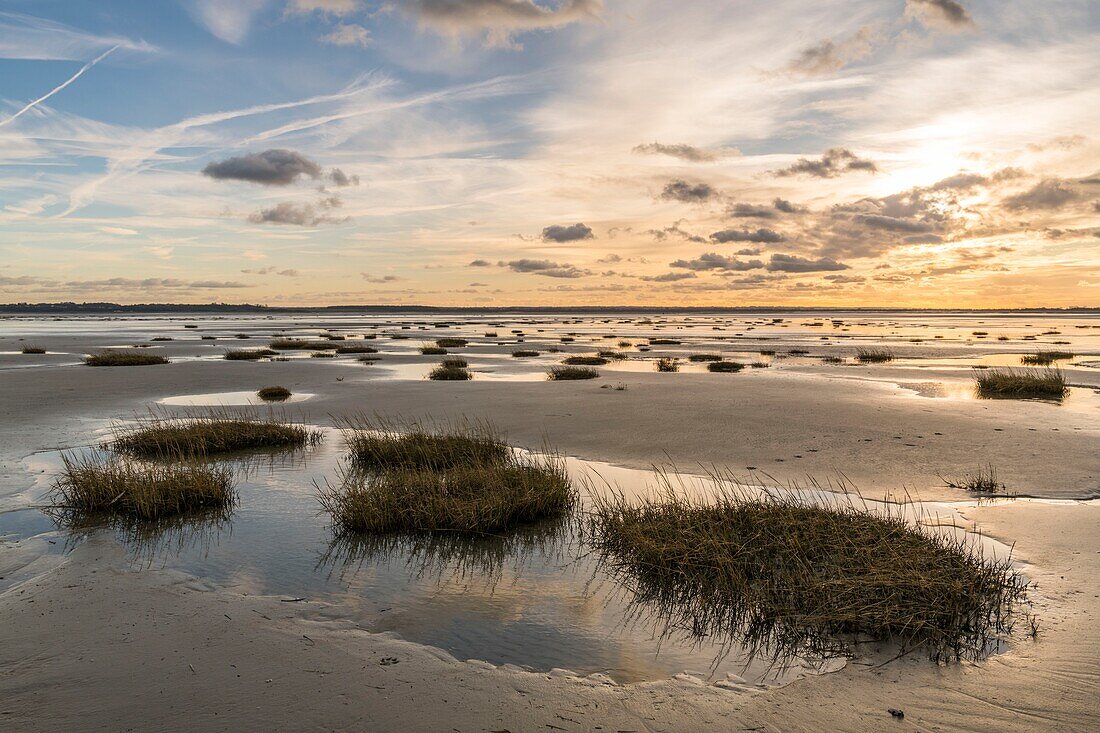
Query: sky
(903, 153)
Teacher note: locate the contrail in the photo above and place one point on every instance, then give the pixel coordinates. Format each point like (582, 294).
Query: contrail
(57, 89)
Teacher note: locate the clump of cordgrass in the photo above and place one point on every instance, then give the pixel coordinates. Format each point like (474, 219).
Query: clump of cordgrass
(432, 351)
(356, 350)
(451, 343)
(612, 355)
(204, 435)
(780, 574)
(123, 358)
(444, 373)
(249, 354)
(1045, 358)
(760, 365)
(286, 344)
(705, 357)
(566, 373)
(832, 359)
(663, 342)
(112, 484)
(983, 481)
(33, 350)
(524, 354)
(322, 355)
(274, 394)
(467, 499)
(1047, 383)
(493, 494)
(584, 361)
(380, 443)
(369, 359)
(667, 364)
(874, 356)
(767, 352)
(726, 366)
(454, 362)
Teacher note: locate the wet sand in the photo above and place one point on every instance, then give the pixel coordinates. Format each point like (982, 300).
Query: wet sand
(93, 643)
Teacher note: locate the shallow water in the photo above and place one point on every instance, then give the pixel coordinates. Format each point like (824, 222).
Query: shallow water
(537, 600)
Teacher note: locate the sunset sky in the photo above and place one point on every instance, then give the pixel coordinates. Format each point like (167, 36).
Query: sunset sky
(521, 152)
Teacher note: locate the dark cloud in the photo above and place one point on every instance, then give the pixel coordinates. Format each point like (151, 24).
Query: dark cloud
(546, 268)
(339, 178)
(674, 231)
(668, 277)
(276, 167)
(833, 163)
(1051, 193)
(153, 283)
(302, 215)
(750, 211)
(893, 224)
(686, 152)
(761, 236)
(715, 261)
(692, 193)
(785, 206)
(380, 280)
(829, 56)
(794, 263)
(567, 233)
(480, 263)
(945, 14)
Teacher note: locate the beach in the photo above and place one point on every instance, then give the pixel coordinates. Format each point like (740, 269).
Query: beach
(98, 635)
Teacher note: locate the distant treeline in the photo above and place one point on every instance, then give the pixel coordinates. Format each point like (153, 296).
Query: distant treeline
(145, 308)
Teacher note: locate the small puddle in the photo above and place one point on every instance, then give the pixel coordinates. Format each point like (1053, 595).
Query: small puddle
(228, 399)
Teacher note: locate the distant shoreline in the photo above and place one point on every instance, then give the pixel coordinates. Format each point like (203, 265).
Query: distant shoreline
(226, 308)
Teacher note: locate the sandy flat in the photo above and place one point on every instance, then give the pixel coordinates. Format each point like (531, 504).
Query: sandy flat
(95, 645)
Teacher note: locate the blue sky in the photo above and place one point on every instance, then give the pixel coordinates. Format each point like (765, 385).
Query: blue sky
(475, 152)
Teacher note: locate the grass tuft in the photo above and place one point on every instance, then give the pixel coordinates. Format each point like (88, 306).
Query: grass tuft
(123, 358)
(726, 366)
(874, 356)
(1045, 358)
(705, 357)
(444, 373)
(33, 350)
(217, 432)
(567, 373)
(432, 351)
(461, 478)
(115, 485)
(1047, 383)
(524, 354)
(667, 364)
(380, 443)
(584, 361)
(274, 394)
(356, 350)
(451, 343)
(301, 345)
(249, 354)
(984, 481)
(778, 573)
